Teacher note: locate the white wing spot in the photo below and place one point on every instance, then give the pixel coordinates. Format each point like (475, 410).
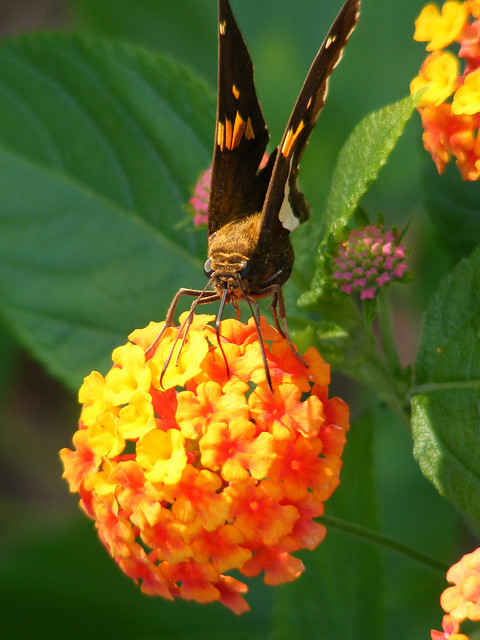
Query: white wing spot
(286, 216)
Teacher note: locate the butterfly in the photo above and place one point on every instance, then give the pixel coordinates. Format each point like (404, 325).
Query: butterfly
(253, 210)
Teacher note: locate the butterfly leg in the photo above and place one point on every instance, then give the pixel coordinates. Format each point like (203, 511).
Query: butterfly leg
(255, 311)
(202, 297)
(237, 309)
(279, 317)
(253, 304)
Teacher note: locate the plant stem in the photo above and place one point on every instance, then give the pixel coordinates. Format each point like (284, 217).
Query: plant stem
(386, 334)
(385, 542)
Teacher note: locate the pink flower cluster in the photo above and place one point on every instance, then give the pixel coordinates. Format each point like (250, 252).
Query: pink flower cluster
(199, 200)
(369, 259)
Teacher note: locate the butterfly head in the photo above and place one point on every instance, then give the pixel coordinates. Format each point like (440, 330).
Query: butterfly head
(229, 276)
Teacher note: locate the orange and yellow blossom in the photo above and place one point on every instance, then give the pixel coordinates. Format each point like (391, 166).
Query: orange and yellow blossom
(450, 104)
(205, 470)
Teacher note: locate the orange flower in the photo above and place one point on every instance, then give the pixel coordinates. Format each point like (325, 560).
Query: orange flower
(446, 135)
(450, 104)
(199, 470)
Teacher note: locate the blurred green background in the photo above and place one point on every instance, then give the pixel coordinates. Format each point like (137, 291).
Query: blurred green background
(55, 578)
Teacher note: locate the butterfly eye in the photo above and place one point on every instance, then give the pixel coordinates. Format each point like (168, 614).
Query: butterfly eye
(246, 270)
(207, 268)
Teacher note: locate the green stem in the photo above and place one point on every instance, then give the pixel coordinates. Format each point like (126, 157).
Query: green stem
(385, 542)
(375, 374)
(386, 334)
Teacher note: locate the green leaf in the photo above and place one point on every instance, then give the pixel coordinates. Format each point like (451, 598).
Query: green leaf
(100, 145)
(339, 595)
(361, 158)
(446, 401)
(453, 205)
(159, 25)
(359, 161)
(340, 330)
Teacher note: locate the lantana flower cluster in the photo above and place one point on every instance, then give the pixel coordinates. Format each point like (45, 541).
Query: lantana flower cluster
(450, 106)
(196, 470)
(461, 601)
(369, 259)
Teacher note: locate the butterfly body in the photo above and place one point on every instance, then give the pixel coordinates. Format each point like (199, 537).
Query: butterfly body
(254, 205)
(242, 259)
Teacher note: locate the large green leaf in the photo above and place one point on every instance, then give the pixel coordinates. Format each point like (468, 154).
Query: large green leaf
(446, 404)
(343, 569)
(161, 26)
(453, 205)
(100, 145)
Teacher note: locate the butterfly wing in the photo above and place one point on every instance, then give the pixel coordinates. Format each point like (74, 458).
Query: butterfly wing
(241, 134)
(284, 204)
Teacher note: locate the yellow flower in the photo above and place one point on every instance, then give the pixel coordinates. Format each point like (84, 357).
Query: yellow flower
(440, 29)
(199, 470)
(162, 455)
(467, 98)
(439, 75)
(129, 376)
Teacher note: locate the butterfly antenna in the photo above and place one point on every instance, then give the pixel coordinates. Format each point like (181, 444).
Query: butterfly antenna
(254, 310)
(221, 309)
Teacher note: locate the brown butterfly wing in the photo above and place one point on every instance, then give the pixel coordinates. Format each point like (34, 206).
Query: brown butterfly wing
(283, 197)
(241, 135)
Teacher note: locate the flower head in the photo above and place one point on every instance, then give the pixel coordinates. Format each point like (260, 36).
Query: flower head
(450, 104)
(369, 259)
(194, 474)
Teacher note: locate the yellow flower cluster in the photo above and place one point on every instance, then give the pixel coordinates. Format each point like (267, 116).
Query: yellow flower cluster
(198, 470)
(450, 104)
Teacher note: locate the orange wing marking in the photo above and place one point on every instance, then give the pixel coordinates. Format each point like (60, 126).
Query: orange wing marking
(290, 139)
(221, 135)
(230, 135)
